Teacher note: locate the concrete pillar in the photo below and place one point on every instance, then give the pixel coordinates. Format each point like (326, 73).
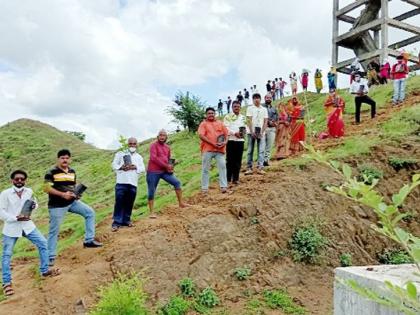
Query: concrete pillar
(334, 60)
(348, 302)
(384, 30)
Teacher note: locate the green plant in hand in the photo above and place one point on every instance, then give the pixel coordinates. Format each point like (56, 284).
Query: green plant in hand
(395, 257)
(187, 287)
(345, 260)
(208, 298)
(404, 299)
(242, 273)
(177, 305)
(306, 243)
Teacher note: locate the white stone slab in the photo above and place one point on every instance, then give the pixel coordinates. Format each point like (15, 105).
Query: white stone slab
(348, 302)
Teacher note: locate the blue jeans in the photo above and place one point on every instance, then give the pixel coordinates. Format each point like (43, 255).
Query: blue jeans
(399, 90)
(57, 216)
(205, 169)
(9, 243)
(260, 151)
(125, 194)
(153, 181)
(270, 137)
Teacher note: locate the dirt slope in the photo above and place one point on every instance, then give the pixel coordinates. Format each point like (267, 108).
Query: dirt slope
(208, 240)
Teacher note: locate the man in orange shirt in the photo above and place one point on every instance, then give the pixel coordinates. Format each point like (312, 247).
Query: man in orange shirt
(213, 135)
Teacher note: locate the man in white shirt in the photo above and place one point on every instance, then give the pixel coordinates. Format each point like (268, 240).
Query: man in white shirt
(17, 225)
(257, 117)
(359, 87)
(128, 165)
(235, 123)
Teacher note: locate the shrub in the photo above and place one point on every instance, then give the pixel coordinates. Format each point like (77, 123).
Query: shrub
(187, 287)
(242, 273)
(279, 299)
(177, 305)
(399, 163)
(306, 243)
(124, 296)
(369, 173)
(208, 298)
(345, 260)
(394, 257)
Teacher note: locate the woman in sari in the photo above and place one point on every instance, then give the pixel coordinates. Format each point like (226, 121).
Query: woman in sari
(283, 133)
(334, 106)
(318, 81)
(297, 126)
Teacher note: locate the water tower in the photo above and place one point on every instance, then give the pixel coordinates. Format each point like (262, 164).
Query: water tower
(368, 36)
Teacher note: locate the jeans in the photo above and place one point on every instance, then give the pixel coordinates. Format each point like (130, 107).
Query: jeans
(278, 94)
(270, 136)
(234, 152)
(9, 243)
(367, 100)
(399, 90)
(153, 181)
(57, 216)
(205, 171)
(125, 194)
(260, 151)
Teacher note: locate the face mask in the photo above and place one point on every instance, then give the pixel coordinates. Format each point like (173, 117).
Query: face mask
(18, 189)
(132, 149)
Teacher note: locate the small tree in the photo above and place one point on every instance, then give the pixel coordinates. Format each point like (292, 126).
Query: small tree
(78, 134)
(188, 110)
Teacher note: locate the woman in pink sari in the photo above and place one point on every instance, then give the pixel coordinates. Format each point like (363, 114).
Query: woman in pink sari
(334, 106)
(283, 133)
(297, 125)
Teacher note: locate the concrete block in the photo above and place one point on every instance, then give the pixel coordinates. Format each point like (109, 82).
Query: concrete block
(348, 302)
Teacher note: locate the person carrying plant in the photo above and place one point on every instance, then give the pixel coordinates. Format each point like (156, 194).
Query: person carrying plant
(17, 224)
(161, 166)
(127, 165)
(360, 89)
(399, 74)
(60, 182)
(213, 135)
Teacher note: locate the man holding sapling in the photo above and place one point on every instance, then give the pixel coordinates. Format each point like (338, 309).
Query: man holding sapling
(64, 196)
(128, 165)
(161, 166)
(257, 117)
(16, 205)
(213, 135)
(359, 88)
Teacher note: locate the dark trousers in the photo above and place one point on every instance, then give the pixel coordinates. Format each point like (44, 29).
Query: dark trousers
(125, 194)
(359, 100)
(234, 151)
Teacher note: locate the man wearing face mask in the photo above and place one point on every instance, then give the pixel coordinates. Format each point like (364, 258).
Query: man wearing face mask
(270, 132)
(359, 87)
(16, 225)
(128, 165)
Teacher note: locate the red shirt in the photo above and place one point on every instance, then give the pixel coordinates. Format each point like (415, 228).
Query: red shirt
(212, 130)
(399, 74)
(160, 153)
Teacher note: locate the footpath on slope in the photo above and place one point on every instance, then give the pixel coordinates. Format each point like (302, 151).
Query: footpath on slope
(208, 240)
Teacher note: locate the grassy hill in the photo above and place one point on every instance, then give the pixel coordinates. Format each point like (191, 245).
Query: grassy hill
(32, 146)
(191, 239)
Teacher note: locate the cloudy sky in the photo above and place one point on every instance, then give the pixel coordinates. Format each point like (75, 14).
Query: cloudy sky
(111, 67)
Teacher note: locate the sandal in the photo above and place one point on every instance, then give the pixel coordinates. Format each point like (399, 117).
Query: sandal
(8, 290)
(130, 225)
(114, 228)
(51, 273)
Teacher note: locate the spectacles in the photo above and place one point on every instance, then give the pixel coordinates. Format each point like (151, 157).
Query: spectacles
(19, 179)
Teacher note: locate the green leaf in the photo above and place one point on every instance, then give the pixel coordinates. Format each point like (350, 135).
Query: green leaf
(399, 198)
(382, 206)
(402, 235)
(416, 177)
(412, 290)
(347, 171)
(416, 254)
(399, 217)
(335, 164)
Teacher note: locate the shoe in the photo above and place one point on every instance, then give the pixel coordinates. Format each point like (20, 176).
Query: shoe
(51, 262)
(260, 171)
(265, 163)
(223, 190)
(235, 182)
(92, 244)
(249, 172)
(51, 273)
(115, 228)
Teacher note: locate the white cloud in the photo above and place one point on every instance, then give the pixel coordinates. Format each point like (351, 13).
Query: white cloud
(104, 67)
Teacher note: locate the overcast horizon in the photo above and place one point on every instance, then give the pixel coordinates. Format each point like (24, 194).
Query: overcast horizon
(111, 67)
